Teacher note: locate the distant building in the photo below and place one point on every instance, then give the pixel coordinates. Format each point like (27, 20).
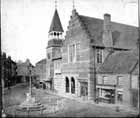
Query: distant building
(40, 70)
(23, 70)
(74, 66)
(9, 70)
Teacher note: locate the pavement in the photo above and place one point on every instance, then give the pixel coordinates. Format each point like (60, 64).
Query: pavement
(71, 107)
(14, 86)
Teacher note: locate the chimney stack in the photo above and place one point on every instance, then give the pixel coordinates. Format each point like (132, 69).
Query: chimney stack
(107, 32)
(107, 20)
(4, 55)
(9, 57)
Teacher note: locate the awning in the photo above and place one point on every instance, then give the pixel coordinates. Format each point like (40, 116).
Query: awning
(82, 80)
(48, 80)
(120, 92)
(106, 86)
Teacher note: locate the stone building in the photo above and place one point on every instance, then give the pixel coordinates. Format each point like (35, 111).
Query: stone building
(40, 70)
(73, 64)
(9, 70)
(23, 71)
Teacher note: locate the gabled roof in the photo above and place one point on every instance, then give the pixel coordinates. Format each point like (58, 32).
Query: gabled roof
(25, 64)
(43, 61)
(56, 23)
(125, 36)
(119, 63)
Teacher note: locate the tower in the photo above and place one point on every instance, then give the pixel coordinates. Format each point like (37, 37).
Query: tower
(54, 46)
(56, 29)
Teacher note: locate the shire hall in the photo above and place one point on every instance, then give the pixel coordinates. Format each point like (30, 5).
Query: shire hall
(97, 60)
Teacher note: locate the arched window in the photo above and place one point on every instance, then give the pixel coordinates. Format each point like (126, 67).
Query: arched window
(72, 85)
(67, 84)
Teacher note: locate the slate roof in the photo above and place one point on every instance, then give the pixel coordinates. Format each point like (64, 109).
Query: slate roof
(56, 23)
(124, 36)
(43, 61)
(135, 71)
(94, 26)
(119, 63)
(25, 64)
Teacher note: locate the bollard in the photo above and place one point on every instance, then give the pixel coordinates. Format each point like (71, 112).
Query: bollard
(3, 114)
(117, 109)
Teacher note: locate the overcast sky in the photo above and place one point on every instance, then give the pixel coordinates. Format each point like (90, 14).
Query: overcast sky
(25, 23)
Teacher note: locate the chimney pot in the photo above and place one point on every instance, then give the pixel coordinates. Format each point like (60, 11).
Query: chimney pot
(107, 18)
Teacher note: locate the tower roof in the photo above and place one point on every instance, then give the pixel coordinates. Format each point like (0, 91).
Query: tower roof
(56, 23)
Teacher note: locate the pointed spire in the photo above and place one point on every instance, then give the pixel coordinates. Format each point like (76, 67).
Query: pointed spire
(56, 23)
(55, 4)
(73, 4)
(74, 9)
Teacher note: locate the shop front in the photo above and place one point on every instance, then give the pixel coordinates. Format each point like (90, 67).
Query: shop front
(106, 93)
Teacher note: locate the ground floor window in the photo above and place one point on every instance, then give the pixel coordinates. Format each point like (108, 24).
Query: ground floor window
(83, 89)
(134, 96)
(67, 84)
(120, 97)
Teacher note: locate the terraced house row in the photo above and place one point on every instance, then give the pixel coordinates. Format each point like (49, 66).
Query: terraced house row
(8, 70)
(97, 59)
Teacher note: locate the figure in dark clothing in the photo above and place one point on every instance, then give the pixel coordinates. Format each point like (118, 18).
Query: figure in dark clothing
(8, 84)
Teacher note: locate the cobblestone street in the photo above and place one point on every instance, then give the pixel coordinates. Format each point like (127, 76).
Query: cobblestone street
(71, 108)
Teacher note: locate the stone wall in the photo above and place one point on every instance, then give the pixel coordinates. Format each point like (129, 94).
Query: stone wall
(59, 84)
(40, 71)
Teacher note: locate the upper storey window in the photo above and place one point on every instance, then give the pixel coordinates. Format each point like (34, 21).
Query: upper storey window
(99, 56)
(57, 67)
(77, 51)
(120, 81)
(48, 55)
(72, 52)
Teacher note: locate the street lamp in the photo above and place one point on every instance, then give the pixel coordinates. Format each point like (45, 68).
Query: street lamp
(30, 77)
(2, 82)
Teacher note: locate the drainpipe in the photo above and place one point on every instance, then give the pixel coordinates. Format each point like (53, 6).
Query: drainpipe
(139, 53)
(95, 75)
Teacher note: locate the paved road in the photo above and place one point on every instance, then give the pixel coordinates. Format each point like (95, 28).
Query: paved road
(72, 108)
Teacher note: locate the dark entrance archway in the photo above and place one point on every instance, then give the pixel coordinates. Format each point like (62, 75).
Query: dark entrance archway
(72, 85)
(67, 84)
